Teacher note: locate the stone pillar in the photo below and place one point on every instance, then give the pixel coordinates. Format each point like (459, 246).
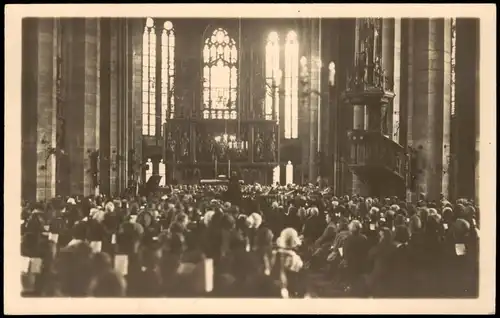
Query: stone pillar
(396, 121)
(388, 62)
(330, 38)
(107, 157)
(477, 112)
(46, 109)
(315, 97)
(407, 111)
(75, 100)
(467, 107)
(92, 101)
(304, 102)
(29, 109)
(359, 112)
(446, 114)
(113, 105)
(83, 102)
(91, 97)
(344, 115)
(430, 96)
(136, 27)
(129, 106)
(121, 101)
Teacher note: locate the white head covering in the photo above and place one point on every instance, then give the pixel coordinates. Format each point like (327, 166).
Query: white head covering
(93, 211)
(257, 219)
(432, 211)
(98, 215)
(289, 238)
(374, 210)
(302, 212)
(208, 217)
(250, 222)
(447, 209)
(71, 201)
(369, 201)
(395, 207)
(109, 207)
(355, 225)
(313, 211)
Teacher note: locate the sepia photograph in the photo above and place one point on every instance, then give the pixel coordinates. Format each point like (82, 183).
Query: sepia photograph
(252, 154)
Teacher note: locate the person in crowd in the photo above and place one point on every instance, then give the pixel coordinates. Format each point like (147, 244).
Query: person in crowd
(248, 241)
(355, 254)
(287, 265)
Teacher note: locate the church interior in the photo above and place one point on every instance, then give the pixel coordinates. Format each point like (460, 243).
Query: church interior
(364, 105)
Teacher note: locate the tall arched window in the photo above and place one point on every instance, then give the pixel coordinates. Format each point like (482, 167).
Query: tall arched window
(167, 71)
(453, 63)
(220, 76)
(291, 85)
(273, 76)
(149, 79)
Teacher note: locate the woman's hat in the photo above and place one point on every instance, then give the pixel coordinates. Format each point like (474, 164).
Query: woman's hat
(249, 222)
(109, 207)
(395, 207)
(208, 217)
(289, 238)
(257, 219)
(313, 211)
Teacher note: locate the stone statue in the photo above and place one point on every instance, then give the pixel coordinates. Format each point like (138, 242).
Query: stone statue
(200, 146)
(211, 145)
(171, 145)
(361, 69)
(272, 148)
(185, 145)
(259, 146)
(196, 174)
(378, 74)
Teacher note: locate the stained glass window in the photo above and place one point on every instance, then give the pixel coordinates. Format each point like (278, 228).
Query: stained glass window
(220, 76)
(149, 79)
(167, 71)
(273, 76)
(291, 85)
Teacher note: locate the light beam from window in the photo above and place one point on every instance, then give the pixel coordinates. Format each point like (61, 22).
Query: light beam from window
(272, 76)
(167, 72)
(149, 79)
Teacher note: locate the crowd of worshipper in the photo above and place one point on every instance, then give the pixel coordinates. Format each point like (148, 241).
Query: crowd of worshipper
(257, 241)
